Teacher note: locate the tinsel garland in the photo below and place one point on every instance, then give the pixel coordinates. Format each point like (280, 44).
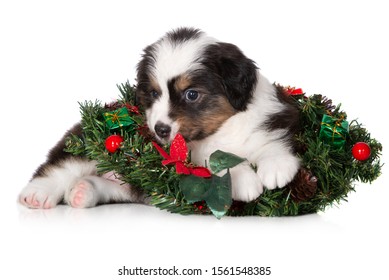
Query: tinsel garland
(327, 175)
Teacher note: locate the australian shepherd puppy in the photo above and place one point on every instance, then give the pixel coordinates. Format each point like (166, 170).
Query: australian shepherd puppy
(212, 94)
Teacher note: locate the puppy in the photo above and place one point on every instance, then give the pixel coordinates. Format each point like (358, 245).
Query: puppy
(212, 94)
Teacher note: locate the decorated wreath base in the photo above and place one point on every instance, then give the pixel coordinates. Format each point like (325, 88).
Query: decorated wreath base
(334, 153)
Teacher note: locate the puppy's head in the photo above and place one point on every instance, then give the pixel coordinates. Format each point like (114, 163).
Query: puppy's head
(190, 83)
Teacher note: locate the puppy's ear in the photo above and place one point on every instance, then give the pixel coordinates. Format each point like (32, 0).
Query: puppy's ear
(237, 72)
(143, 70)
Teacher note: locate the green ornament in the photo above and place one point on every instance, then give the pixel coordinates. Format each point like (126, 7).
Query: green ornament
(118, 118)
(333, 131)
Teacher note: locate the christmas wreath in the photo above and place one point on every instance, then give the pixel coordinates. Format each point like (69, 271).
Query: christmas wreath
(334, 153)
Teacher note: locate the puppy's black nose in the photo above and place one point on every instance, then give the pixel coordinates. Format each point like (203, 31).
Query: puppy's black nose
(162, 130)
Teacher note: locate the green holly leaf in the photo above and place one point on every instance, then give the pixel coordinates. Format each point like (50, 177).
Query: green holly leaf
(219, 195)
(220, 160)
(194, 188)
(215, 191)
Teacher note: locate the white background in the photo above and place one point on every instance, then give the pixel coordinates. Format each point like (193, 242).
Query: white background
(55, 53)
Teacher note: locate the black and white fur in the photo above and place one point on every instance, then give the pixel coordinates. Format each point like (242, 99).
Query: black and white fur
(212, 94)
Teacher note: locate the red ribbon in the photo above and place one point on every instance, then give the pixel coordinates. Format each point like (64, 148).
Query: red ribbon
(178, 156)
(133, 109)
(294, 91)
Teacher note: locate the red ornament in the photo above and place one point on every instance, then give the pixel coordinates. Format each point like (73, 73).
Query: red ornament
(112, 143)
(199, 205)
(361, 151)
(178, 156)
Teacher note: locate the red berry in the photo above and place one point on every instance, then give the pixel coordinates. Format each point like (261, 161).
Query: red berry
(361, 151)
(112, 143)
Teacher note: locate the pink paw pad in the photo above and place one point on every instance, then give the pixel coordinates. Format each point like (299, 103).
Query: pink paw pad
(39, 194)
(31, 201)
(81, 195)
(47, 205)
(35, 203)
(78, 198)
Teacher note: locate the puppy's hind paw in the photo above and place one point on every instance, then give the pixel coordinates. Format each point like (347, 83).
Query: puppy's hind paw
(40, 194)
(82, 195)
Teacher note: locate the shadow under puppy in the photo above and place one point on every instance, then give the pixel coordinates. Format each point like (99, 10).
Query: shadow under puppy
(212, 94)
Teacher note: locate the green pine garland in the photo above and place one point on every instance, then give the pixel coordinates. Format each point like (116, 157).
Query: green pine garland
(139, 164)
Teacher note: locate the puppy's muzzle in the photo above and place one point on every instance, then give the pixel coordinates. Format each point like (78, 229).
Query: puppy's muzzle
(162, 130)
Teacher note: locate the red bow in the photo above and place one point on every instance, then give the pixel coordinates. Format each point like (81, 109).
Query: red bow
(294, 91)
(178, 156)
(133, 109)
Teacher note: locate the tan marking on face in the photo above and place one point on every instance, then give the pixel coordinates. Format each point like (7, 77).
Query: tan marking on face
(182, 83)
(155, 86)
(207, 122)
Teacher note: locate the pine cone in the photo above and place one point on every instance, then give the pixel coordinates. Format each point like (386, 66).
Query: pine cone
(304, 186)
(327, 103)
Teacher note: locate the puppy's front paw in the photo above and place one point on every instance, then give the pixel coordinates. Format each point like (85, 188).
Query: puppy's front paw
(40, 193)
(278, 171)
(82, 195)
(246, 185)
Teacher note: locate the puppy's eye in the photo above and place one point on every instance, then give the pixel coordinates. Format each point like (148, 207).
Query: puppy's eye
(154, 94)
(191, 95)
